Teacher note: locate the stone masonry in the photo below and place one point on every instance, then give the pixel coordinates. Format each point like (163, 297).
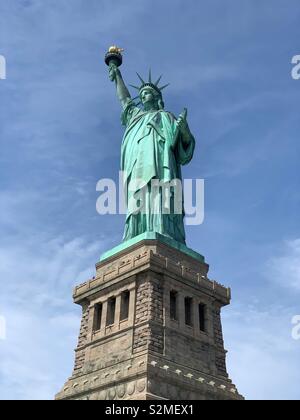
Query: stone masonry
(151, 330)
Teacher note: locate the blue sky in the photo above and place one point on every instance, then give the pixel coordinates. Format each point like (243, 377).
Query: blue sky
(230, 64)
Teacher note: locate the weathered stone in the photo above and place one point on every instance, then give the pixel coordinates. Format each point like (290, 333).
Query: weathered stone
(149, 355)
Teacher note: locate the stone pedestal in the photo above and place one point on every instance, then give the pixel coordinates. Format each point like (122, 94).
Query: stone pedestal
(151, 330)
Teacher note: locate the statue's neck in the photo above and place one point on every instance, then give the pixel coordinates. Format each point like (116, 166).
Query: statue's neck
(151, 107)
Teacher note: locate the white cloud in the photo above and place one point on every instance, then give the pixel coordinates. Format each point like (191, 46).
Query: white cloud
(43, 271)
(285, 268)
(36, 357)
(42, 323)
(263, 359)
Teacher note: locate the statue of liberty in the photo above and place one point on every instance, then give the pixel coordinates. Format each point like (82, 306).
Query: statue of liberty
(155, 145)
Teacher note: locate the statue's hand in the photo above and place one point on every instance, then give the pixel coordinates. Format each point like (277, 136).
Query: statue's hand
(182, 123)
(113, 71)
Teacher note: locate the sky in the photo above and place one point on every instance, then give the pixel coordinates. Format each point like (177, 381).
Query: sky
(229, 63)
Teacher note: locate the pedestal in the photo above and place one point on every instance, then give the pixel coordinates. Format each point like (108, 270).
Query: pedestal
(151, 329)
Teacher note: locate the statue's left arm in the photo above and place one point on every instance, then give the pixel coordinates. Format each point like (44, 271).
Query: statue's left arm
(186, 143)
(184, 129)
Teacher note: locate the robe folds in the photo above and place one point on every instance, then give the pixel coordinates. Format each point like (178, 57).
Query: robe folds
(152, 149)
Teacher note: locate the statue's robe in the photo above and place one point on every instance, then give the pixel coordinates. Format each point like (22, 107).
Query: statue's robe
(149, 151)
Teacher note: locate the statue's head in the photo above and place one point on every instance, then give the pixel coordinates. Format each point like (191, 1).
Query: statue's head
(150, 93)
(151, 98)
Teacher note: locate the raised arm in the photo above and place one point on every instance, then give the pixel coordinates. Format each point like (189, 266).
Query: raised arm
(122, 91)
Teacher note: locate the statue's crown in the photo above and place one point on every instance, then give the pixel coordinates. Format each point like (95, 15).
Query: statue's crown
(150, 84)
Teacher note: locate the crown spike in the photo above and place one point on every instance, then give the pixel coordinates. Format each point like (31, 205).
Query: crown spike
(158, 80)
(140, 78)
(163, 87)
(135, 87)
(150, 76)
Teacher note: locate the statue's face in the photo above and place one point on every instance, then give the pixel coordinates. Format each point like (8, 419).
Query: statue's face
(147, 96)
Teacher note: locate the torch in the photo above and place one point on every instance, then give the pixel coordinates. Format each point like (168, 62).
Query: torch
(114, 56)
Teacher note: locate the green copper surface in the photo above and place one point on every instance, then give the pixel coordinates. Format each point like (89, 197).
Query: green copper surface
(154, 147)
(152, 236)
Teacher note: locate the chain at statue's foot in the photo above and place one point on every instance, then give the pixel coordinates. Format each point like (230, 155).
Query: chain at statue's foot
(151, 329)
